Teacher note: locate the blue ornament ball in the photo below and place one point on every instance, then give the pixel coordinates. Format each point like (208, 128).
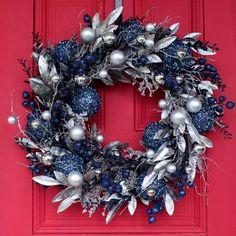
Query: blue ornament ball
(85, 100)
(152, 219)
(204, 119)
(148, 135)
(68, 163)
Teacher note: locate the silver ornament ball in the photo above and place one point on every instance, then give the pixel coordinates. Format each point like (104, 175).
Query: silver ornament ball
(80, 80)
(56, 78)
(87, 34)
(181, 53)
(109, 38)
(141, 39)
(99, 138)
(117, 58)
(75, 178)
(194, 105)
(188, 169)
(150, 153)
(103, 74)
(47, 159)
(150, 27)
(177, 117)
(35, 124)
(12, 120)
(76, 133)
(171, 168)
(162, 103)
(179, 79)
(149, 43)
(199, 149)
(151, 192)
(46, 115)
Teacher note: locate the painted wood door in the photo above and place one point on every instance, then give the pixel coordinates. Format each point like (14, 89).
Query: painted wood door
(26, 208)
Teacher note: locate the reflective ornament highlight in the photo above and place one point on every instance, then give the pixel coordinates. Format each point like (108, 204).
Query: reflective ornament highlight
(12, 120)
(75, 178)
(194, 105)
(177, 117)
(117, 58)
(87, 34)
(76, 133)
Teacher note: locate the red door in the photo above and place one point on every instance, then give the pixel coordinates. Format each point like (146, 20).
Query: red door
(26, 208)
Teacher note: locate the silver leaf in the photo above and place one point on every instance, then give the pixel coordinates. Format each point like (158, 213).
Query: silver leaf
(108, 81)
(97, 43)
(193, 35)
(161, 165)
(43, 67)
(144, 69)
(96, 21)
(153, 58)
(165, 113)
(182, 128)
(113, 211)
(113, 16)
(161, 154)
(113, 196)
(199, 163)
(207, 85)
(60, 177)
(111, 28)
(39, 87)
(125, 188)
(206, 141)
(181, 143)
(165, 42)
(174, 28)
(161, 174)
(195, 136)
(57, 151)
(133, 73)
(100, 29)
(145, 202)
(26, 142)
(65, 193)
(132, 205)
(192, 164)
(207, 52)
(169, 204)
(148, 179)
(65, 204)
(45, 180)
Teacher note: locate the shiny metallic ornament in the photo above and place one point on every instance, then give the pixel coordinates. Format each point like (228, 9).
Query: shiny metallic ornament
(35, 124)
(117, 58)
(179, 79)
(199, 149)
(160, 78)
(80, 80)
(151, 192)
(188, 169)
(194, 105)
(76, 133)
(141, 39)
(99, 138)
(109, 38)
(87, 34)
(103, 74)
(162, 103)
(56, 78)
(181, 54)
(150, 153)
(46, 115)
(177, 117)
(116, 153)
(171, 168)
(150, 27)
(149, 43)
(47, 159)
(12, 120)
(75, 178)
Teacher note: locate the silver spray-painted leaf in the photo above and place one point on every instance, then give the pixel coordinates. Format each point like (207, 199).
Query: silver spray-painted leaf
(65, 193)
(192, 164)
(206, 141)
(65, 204)
(207, 52)
(111, 28)
(95, 21)
(181, 143)
(113, 16)
(208, 86)
(39, 87)
(153, 58)
(43, 67)
(195, 136)
(100, 29)
(174, 28)
(58, 151)
(160, 165)
(26, 142)
(165, 42)
(181, 128)
(45, 180)
(148, 179)
(60, 177)
(169, 204)
(132, 205)
(161, 174)
(145, 202)
(113, 211)
(133, 73)
(113, 196)
(162, 154)
(193, 35)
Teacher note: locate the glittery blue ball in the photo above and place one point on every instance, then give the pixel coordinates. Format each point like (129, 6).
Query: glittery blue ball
(204, 119)
(171, 83)
(68, 163)
(172, 58)
(148, 135)
(65, 50)
(85, 100)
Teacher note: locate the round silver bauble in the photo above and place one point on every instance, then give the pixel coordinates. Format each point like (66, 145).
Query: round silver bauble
(99, 138)
(75, 178)
(171, 168)
(103, 74)
(150, 27)
(162, 103)
(141, 39)
(35, 124)
(179, 79)
(76, 133)
(181, 54)
(188, 169)
(150, 153)
(47, 159)
(80, 80)
(12, 120)
(151, 192)
(87, 34)
(149, 43)
(109, 38)
(56, 78)
(117, 58)
(194, 105)
(116, 153)
(177, 117)
(46, 115)
(199, 149)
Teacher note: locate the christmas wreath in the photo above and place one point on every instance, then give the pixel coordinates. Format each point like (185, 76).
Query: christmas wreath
(65, 150)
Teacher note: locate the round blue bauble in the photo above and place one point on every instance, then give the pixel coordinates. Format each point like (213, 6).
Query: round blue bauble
(204, 119)
(85, 100)
(65, 50)
(69, 162)
(171, 83)
(148, 135)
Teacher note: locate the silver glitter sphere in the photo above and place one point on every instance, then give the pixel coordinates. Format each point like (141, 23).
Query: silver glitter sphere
(56, 78)
(171, 168)
(188, 169)
(12, 120)
(194, 105)
(199, 149)
(151, 192)
(87, 34)
(47, 159)
(76, 133)
(179, 79)
(181, 54)
(99, 138)
(35, 124)
(80, 80)
(117, 58)
(103, 74)
(149, 43)
(141, 39)
(150, 27)
(150, 153)
(46, 115)
(177, 117)
(162, 103)
(109, 38)
(75, 178)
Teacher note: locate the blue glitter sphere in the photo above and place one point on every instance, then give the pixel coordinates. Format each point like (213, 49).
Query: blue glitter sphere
(177, 56)
(148, 135)
(68, 163)
(171, 83)
(65, 50)
(204, 119)
(85, 100)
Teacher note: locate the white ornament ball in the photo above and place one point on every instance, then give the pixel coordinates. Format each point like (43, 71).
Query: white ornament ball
(177, 117)
(80, 80)
(188, 169)
(117, 58)
(150, 27)
(151, 192)
(75, 178)
(171, 168)
(149, 43)
(141, 39)
(103, 74)
(109, 38)
(99, 138)
(12, 120)
(150, 153)
(162, 103)
(87, 34)
(199, 149)
(56, 78)
(194, 105)
(179, 79)
(47, 159)
(76, 133)
(35, 124)
(46, 115)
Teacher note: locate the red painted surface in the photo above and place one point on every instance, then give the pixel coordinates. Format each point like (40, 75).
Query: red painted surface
(26, 209)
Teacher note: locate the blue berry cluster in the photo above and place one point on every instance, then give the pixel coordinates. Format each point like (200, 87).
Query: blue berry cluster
(152, 212)
(109, 184)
